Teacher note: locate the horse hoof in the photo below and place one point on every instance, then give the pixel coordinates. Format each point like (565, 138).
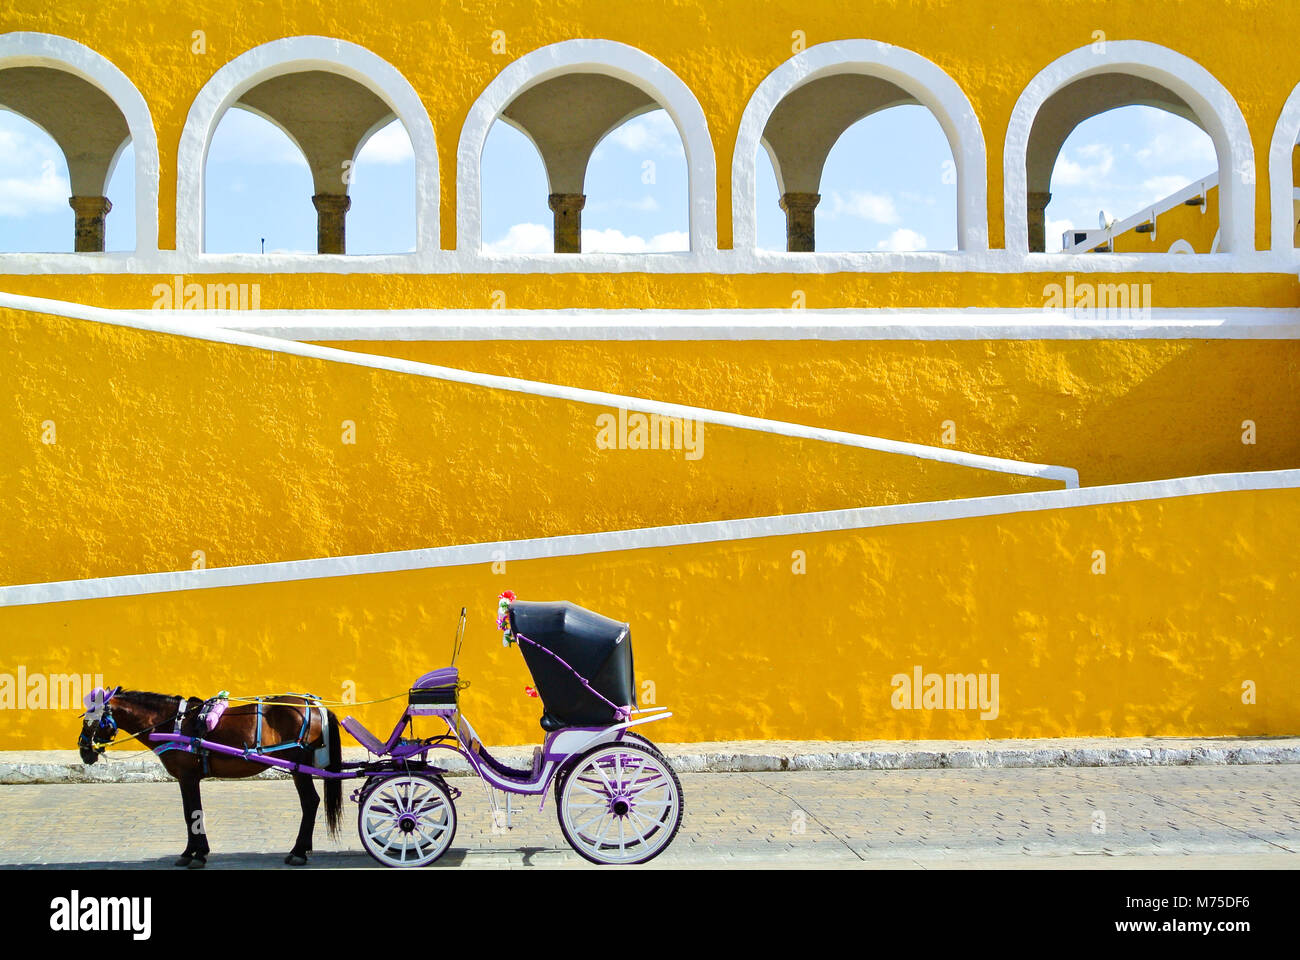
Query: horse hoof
(294, 860)
(198, 863)
(183, 860)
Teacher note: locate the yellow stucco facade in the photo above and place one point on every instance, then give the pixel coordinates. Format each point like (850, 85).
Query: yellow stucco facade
(132, 450)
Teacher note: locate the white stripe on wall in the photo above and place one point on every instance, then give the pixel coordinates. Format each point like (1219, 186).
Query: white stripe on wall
(168, 322)
(650, 537)
(1234, 323)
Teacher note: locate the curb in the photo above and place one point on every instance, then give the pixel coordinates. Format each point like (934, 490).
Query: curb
(55, 766)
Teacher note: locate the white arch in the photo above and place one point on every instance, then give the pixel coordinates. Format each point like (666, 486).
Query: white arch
(1209, 100)
(921, 78)
(1280, 186)
(23, 49)
(293, 55)
(588, 56)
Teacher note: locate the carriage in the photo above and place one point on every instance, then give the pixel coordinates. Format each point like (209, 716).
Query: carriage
(618, 799)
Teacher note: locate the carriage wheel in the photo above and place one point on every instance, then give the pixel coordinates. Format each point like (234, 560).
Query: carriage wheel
(406, 821)
(620, 803)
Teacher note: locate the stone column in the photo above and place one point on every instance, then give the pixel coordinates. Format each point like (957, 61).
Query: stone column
(331, 222)
(1036, 209)
(799, 223)
(89, 213)
(568, 221)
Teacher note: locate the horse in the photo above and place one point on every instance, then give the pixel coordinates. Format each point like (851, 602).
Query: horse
(272, 722)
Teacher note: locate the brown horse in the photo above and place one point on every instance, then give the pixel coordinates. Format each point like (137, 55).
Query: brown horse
(287, 719)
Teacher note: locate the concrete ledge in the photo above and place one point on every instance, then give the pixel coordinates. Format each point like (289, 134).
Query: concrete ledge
(755, 756)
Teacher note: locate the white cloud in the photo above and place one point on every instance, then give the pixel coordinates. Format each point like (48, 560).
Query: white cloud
(1096, 161)
(615, 241)
(389, 146)
(523, 238)
(650, 132)
(871, 207)
(32, 173)
(903, 239)
(535, 238)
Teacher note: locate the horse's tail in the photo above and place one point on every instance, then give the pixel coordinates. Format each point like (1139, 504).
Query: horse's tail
(334, 787)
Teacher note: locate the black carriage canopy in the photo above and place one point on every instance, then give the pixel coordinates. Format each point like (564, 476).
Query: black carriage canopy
(598, 648)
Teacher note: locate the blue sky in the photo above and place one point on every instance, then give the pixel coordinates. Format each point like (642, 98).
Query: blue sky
(887, 185)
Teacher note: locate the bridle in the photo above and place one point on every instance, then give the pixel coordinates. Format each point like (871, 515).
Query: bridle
(99, 712)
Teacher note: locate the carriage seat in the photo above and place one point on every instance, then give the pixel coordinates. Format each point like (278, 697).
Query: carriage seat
(444, 677)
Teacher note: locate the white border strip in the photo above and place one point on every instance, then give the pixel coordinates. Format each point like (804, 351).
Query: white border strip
(730, 263)
(970, 323)
(160, 322)
(651, 537)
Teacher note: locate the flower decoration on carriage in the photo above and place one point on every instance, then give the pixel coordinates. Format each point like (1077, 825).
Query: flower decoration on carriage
(503, 617)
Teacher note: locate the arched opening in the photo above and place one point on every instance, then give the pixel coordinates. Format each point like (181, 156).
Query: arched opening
(1106, 76)
(1133, 160)
(51, 111)
(602, 142)
(326, 119)
(869, 197)
(601, 116)
(330, 98)
(808, 108)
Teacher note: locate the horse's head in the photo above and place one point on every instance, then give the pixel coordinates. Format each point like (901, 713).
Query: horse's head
(98, 727)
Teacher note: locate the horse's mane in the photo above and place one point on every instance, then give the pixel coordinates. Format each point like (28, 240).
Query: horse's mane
(151, 700)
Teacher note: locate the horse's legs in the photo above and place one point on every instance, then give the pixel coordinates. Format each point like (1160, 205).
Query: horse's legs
(196, 837)
(310, 800)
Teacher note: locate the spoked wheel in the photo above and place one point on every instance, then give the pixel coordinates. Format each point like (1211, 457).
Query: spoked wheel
(407, 821)
(620, 803)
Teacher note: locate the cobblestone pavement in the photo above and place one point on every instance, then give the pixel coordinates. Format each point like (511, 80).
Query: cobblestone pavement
(1216, 816)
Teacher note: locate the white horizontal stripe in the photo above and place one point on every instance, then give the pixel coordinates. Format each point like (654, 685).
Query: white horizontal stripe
(646, 538)
(173, 322)
(167, 263)
(1236, 323)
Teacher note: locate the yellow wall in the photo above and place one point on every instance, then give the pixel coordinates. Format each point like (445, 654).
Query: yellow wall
(1197, 598)
(1116, 410)
(166, 445)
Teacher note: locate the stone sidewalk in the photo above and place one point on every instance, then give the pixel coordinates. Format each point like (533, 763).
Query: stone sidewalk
(760, 756)
(1244, 817)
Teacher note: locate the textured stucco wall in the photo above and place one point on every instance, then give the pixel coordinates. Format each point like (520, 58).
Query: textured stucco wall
(739, 646)
(1118, 411)
(721, 51)
(166, 445)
